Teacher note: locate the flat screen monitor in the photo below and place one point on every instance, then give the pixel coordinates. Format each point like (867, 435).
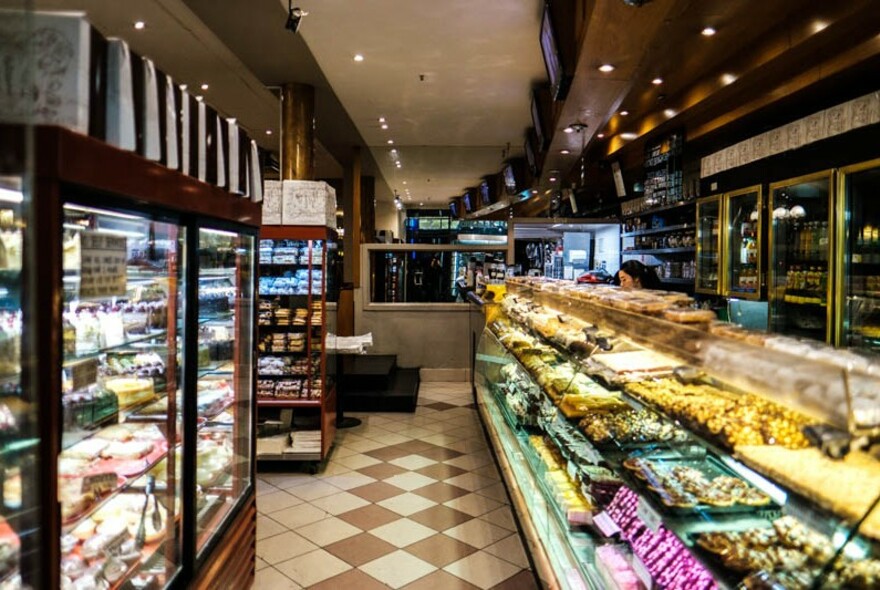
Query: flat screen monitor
(469, 199)
(531, 155)
(454, 209)
(559, 82)
(539, 109)
(485, 193)
(514, 176)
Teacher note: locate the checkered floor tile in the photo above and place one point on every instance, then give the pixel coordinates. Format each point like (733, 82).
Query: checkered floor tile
(410, 501)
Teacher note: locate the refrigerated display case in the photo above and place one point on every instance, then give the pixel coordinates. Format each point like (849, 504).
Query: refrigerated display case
(709, 253)
(742, 240)
(689, 453)
(298, 278)
(800, 256)
(144, 332)
(858, 257)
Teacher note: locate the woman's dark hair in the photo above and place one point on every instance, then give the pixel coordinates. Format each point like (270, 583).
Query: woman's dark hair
(645, 274)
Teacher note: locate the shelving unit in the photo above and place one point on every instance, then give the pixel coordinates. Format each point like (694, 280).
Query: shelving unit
(293, 313)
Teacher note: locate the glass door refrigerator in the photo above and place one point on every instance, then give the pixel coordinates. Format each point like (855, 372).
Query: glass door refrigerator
(709, 252)
(858, 262)
(800, 256)
(742, 244)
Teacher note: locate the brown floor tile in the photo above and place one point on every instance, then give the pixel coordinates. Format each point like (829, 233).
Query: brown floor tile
(440, 579)
(439, 454)
(382, 470)
(377, 491)
(369, 517)
(439, 518)
(440, 492)
(416, 445)
(440, 550)
(360, 549)
(350, 579)
(440, 471)
(441, 406)
(388, 453)
(525, 580)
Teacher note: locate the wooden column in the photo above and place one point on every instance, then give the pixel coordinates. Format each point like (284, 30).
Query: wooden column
(297, 132)
(353, 224)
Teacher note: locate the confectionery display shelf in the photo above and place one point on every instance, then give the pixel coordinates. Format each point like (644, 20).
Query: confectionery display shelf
(706, 484)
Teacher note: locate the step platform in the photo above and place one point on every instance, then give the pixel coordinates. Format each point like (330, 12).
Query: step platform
(374, 383)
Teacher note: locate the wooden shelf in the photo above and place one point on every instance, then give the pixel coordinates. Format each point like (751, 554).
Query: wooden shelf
(658, 230)
(659, 209)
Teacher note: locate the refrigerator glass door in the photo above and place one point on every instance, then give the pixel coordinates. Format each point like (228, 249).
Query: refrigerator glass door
(860, 267)
(709, 246)
(800, 256)
(743, 244)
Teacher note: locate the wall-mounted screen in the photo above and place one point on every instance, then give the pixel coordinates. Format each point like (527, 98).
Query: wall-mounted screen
(559, 82)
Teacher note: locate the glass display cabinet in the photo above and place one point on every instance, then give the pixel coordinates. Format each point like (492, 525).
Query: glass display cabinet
(144, 335)
(800, 256)
(642, 459)
(858, 257)
(709, 253)
(296, 387)
(742, 268)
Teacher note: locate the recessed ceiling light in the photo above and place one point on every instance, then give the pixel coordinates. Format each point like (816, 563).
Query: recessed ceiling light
(390, 142)
(139, 25)
(534, 192)
(268, 132)
(204, 86)
(669, 113)
(422, 204)
(564, 152)
(728, 79)
(628, 136)
(657, 81)
(199, 97)
(393, 151)
(708, 32)
(183, 87)
(600, 135)
(819, 25)
(569, 129)
(404, 182)
(358, 57)
(624, 113)
(552, 179)
(384, 125)
(381, 119)
(606, 68)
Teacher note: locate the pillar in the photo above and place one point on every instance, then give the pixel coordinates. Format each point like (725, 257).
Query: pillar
(297, 132)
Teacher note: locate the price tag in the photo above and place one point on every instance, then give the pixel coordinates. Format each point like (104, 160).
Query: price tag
(642, 572)
(84, 374)
(605, 524)
(100, 483)
(649, 515)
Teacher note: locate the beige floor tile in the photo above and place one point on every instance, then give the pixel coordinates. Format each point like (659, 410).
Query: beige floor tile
(406, 504)
(260, 564)
(473, 504)
(311, 568)
(410, 481)
(412, 462)
(471, 481)
(471, 461)
(402, 532)
(391, 439)
(339, 503)
(271, 579)
(362, 446)
(314, 489)
(269, 503)
(266, 527)
(283, 547)
(347, 481)
(482, 569)
(264, 487)
(478, 533)
(334, 468)
(510, 549)
(298, 516)
(286, 480)
(398, 569)
(327, 531)
(357, 461)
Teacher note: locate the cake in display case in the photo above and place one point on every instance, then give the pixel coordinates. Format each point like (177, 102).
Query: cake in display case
(633, 462)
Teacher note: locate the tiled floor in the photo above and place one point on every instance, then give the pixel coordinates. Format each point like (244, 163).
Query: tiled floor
(408, 501)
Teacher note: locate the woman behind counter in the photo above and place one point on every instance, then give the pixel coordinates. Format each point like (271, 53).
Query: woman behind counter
(635, 275)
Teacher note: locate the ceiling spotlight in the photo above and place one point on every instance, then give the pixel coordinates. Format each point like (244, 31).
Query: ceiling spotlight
(204, 86)
(569, 129)
(393, 151)
(818, 26)
(381, 119)
(139, 25)
(384, 125)
(552, 179)
(183, 87)
(199, 97)
(358, 57)
(606, 68)
(708, 32)
(534, 192)
(728, 79)
(564, 152)
(294, 17)
(390, 142)
(404, 182)
(624, 113)
(669, 113)
(268, 132)
(600, 135)
(628, 136)
(657, 81)
(422, 204)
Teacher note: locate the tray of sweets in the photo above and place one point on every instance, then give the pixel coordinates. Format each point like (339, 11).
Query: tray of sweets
(628, 429)
(690, 484)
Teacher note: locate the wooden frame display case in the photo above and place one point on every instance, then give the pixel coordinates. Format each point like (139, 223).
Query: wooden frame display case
(801, 265)
(742, 243)
(597, 410)
(296, 376)
(147, 387)
(710, 254)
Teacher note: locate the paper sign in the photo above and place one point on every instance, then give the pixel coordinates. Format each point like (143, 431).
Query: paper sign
(84, 374)
(605, 524)
(99, 483)
(642, 572)
(102, 265)
(649, 516)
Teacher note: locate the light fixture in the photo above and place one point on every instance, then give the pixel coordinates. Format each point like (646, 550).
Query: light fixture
(199, 97)
(657, 81)
(727, 79)
(819, 25)
(568, 129)
(393, 151)
(11, 196)
(384, 125)
(669, 113)
(204, 86)
(404, 182)
(139, 25)
(422, 204)
(600, 135)
(628, 136)
(564, 152)
(381, 119)
(606, 68)
(294, 17)
(553, 179)
(390, 142)
(708, 31)
(183, 86)
(624, 113)
(358, 57)
(534, 192)
(268, 132)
